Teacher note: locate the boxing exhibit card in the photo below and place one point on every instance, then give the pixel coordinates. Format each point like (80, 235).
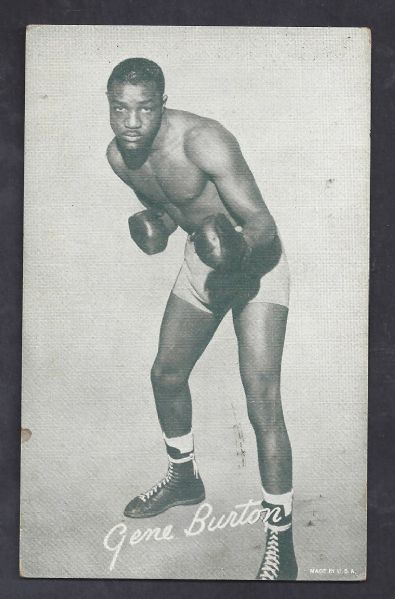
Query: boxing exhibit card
(195, 303)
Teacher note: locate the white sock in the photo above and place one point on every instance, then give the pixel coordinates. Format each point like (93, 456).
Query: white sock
(184, 444)
(285, 499)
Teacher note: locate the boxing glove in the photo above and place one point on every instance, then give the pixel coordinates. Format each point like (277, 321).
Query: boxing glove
(230, 289)
(148, 231)
(219, 245)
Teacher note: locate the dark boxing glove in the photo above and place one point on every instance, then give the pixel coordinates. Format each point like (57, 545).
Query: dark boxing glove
(230, 289)
(220, 246)
(148, 231)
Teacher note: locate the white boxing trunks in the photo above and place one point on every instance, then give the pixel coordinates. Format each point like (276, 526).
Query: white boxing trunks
(190, 284)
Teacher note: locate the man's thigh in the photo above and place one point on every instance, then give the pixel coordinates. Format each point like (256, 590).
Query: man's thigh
(260, 329)
(185, 333)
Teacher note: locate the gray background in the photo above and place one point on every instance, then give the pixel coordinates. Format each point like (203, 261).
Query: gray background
(298, 101)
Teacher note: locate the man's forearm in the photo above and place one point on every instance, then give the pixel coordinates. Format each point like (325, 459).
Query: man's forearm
(167, 221)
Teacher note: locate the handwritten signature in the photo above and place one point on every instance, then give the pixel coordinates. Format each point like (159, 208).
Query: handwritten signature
(203, 520)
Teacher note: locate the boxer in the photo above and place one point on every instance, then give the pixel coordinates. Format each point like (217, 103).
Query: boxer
(188, 171)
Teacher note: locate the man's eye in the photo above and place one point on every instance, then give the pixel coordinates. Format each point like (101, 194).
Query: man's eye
(118, 108)
(146, 109)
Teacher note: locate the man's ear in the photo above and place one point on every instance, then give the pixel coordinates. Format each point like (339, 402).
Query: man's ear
(164, 100)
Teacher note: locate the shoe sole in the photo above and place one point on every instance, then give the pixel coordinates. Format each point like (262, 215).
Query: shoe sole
(174, 504)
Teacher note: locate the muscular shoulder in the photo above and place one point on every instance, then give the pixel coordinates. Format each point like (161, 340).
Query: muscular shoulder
(197, 131)
(212, 147)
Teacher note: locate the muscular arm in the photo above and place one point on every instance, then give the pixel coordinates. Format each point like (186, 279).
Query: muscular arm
(169, 223)
(118, 166)
(216, 152)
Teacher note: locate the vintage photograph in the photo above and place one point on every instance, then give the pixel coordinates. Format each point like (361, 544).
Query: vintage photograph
(195, 304)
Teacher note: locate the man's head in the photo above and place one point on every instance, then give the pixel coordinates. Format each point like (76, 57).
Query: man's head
(135, 92)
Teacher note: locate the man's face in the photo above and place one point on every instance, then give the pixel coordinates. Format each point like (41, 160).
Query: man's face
(135, 114)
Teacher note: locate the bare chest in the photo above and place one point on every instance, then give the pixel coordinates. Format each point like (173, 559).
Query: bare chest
(167, 178)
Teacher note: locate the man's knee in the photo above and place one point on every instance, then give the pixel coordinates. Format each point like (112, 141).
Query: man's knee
(167, 377)
(263, 398)
(264, 383)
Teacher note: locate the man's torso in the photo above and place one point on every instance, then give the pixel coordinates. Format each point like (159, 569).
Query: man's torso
(169, 178)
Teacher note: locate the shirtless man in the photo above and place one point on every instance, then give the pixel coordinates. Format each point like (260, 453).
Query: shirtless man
(188, 171)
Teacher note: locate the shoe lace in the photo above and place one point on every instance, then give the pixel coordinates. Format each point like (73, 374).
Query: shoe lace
(169, 475)
(159, 485)
(271, 561)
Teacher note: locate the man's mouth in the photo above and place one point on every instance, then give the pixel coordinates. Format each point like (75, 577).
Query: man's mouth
(131, 136)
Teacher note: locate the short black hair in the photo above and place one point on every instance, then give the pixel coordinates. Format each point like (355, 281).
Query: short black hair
(135, 71)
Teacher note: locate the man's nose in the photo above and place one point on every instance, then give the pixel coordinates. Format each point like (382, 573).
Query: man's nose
(133, 121)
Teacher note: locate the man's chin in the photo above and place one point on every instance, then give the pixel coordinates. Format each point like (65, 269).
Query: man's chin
(134, 154)
(132, 144)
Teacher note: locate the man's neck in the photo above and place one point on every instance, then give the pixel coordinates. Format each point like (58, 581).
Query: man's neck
(162, 133)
